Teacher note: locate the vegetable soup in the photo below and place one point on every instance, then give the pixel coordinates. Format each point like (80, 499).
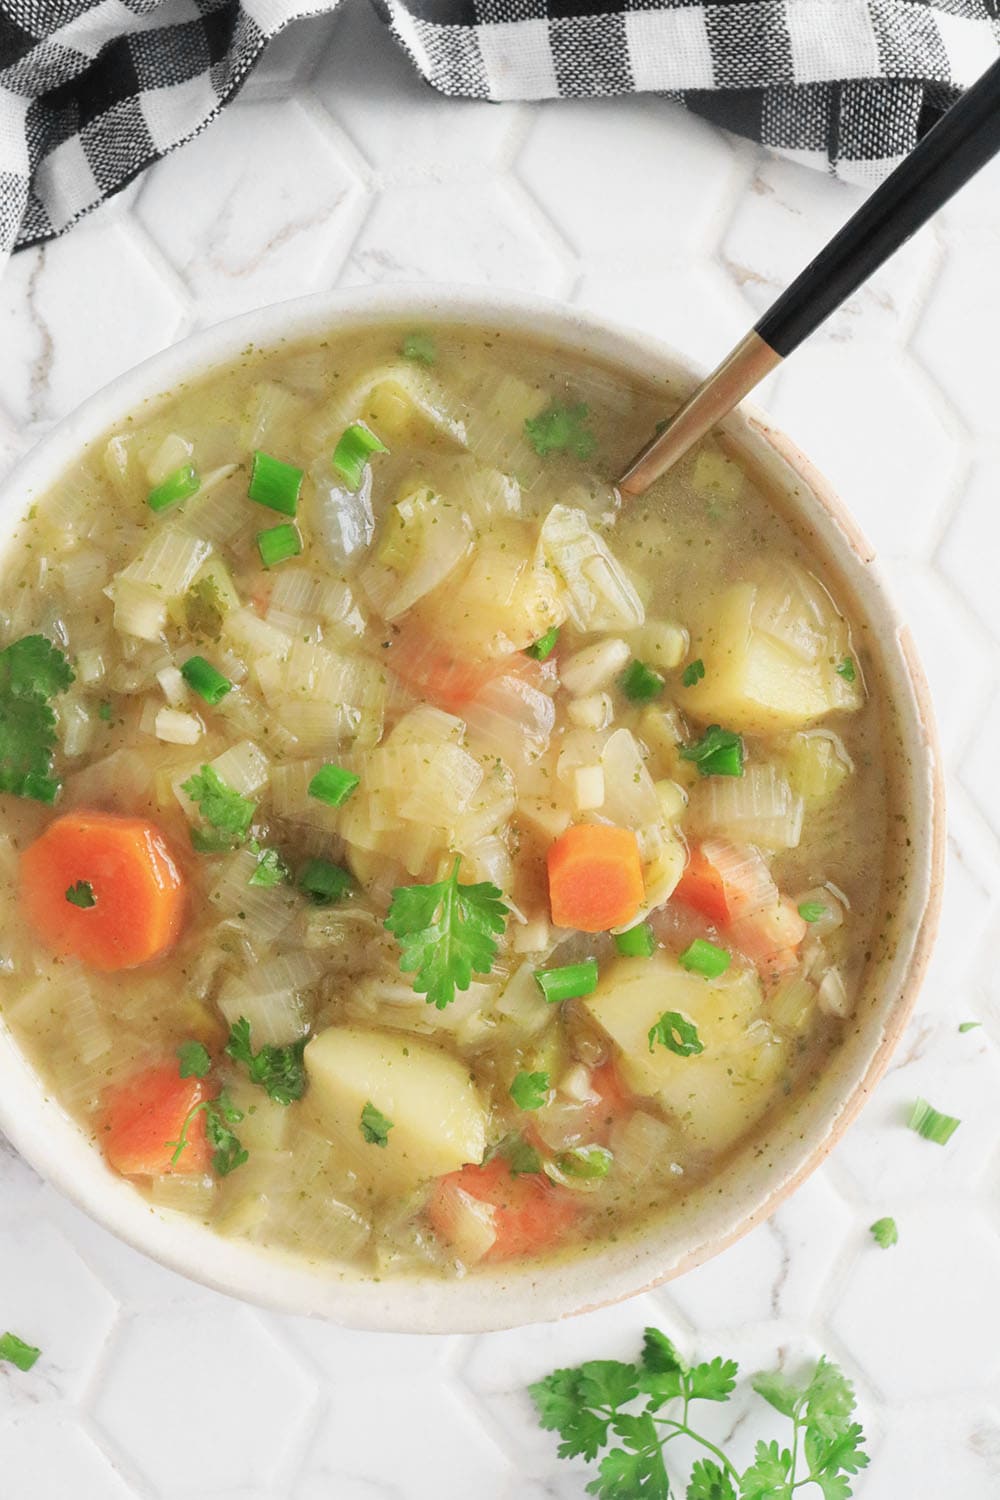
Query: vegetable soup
(412, 854)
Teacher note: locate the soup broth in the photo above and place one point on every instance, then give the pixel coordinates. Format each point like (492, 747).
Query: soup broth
(413, 855)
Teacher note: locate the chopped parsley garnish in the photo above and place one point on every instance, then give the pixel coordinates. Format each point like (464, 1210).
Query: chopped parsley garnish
(420, 347)
(693, 672)
(194, 1060)
(522, 1158)
(595, 1408)
(279, 1071)
(846, 669)
(14, 1351)
(32, 671)
(203, 611)
(812, 911)
(213, 841)
(561, 429)
(545, 645)
(447, 932)
(530, 1090)
(333, 785)
(374, 1125)
(931, 1124)
(640, 683)
(585, 1162)
(323, 882)
(705, 958)
(969, 1026)
(271, 869)
(82, 895)
(227, 1150)
(104, 712)
(219, 804)
(676, 1033)
(719, 752)
(885, 1233)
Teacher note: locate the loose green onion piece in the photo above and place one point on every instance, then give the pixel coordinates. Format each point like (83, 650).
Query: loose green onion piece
(884, 1232)
(333, 785)
(637, 942)
(719, 752)
(640, 683)
(209, 684)
(278, 544)
(703, 957)
(585, 1162)
(275, 484)
(568, 982)
(324, 882)
(846, 669)
(812, 911)
(419, 346)
(693, 672)
(178, 486)
(544, 646)
(353, 451)
(931, 1124)
(15, 1351)
(969, 1026)
(82, 895)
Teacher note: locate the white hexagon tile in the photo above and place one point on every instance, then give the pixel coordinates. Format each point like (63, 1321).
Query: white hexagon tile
(338, 165)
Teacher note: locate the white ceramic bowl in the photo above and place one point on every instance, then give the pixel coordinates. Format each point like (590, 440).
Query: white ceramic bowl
(777, 1158)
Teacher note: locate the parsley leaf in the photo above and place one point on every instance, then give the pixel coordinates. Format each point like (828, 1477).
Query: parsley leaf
(194, 1060)
(530, 1090)
(271, 869)
(715, 1380)
(561, 429)
(227, 1151)
(769, 1476)
(884, 1233)
(374, 1125)
(677, 1034)
(693, 672)
(203, 608)
(719, 752)
(709, 1482)
(446, 933)
(846, 669)
(219, 804)
(15, 1351)
(82, 895)
(32, 671)
(279, 1071)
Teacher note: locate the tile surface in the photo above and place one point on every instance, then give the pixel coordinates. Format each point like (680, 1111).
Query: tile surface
(338, 166)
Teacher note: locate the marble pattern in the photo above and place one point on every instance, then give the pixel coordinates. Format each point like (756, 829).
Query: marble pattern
(337, 166)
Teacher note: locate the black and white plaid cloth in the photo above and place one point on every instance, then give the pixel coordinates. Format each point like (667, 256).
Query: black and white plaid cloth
(93, 91)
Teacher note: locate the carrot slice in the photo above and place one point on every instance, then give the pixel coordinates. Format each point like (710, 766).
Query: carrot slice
(530, 1214)
(143, 1121)
(134, 884)
(595, 877)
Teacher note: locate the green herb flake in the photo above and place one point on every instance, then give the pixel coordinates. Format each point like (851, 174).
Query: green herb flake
(522, 1158)
(640, 683)
(812, 911)
(270, 870)
(374, 1125)
(846, 669)
(676, 1033)
(104, 712)
(931, 1124)
(194, 1060)
(719, 752)
(693, 672)
(419, 347)
(203, 609)
(447, 932)
(885, 1233)
(279, 1071)
(14, 1351)
(530, 1090)
(82, 895)
(561, 429)
(32, 671)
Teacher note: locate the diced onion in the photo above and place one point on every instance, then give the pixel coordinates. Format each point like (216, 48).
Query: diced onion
(593, 712)
(177, 727)
(592, 668)
(465, 1222)
(599, 594)
(642, 1144)
(758, 807)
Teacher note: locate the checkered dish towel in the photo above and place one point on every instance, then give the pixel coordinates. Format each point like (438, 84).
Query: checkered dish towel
(93, 91)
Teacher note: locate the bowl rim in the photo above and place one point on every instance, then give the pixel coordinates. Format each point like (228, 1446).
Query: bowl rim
(508, 1296)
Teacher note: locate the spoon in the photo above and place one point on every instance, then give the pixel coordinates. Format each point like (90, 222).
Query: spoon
(963, 140)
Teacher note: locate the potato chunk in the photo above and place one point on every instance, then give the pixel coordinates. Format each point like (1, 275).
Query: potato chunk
(771, 650)
(716, 1095)
(438, 1119)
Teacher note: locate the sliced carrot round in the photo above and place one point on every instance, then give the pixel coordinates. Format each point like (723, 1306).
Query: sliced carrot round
(144, 1121)
(531, 1214)
(595, 877)
(124, 872)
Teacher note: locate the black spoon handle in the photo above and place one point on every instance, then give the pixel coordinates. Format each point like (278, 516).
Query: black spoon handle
(963, 140)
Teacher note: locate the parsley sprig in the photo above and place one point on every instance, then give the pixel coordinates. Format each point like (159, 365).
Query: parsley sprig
(32, 671)
(447, 932)
(561, 429)
(597, 1402)
(228, 1152)
(279, 1071)
(229, 814)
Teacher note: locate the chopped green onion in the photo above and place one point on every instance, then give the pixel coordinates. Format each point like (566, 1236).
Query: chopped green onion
(568, 982)
(324, 882)
(544, 646)
(846, 669)
(178, 486)
(353, 451)
(333, 785)
(931, 1124)
(209, 684)
(275, 484)
(703, 957)
(420, 347)
(884, 1232)
(585, 1162)
(693, 672)
(969, 1026)
(278, 544)
(812, 911)
(530, 1090)
(640, 683)
(82, 895)
(677, 1034)
(719, 752)
(15, 1351)
(637, 941)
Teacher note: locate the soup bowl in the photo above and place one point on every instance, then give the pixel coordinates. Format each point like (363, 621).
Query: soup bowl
(780, 1153)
